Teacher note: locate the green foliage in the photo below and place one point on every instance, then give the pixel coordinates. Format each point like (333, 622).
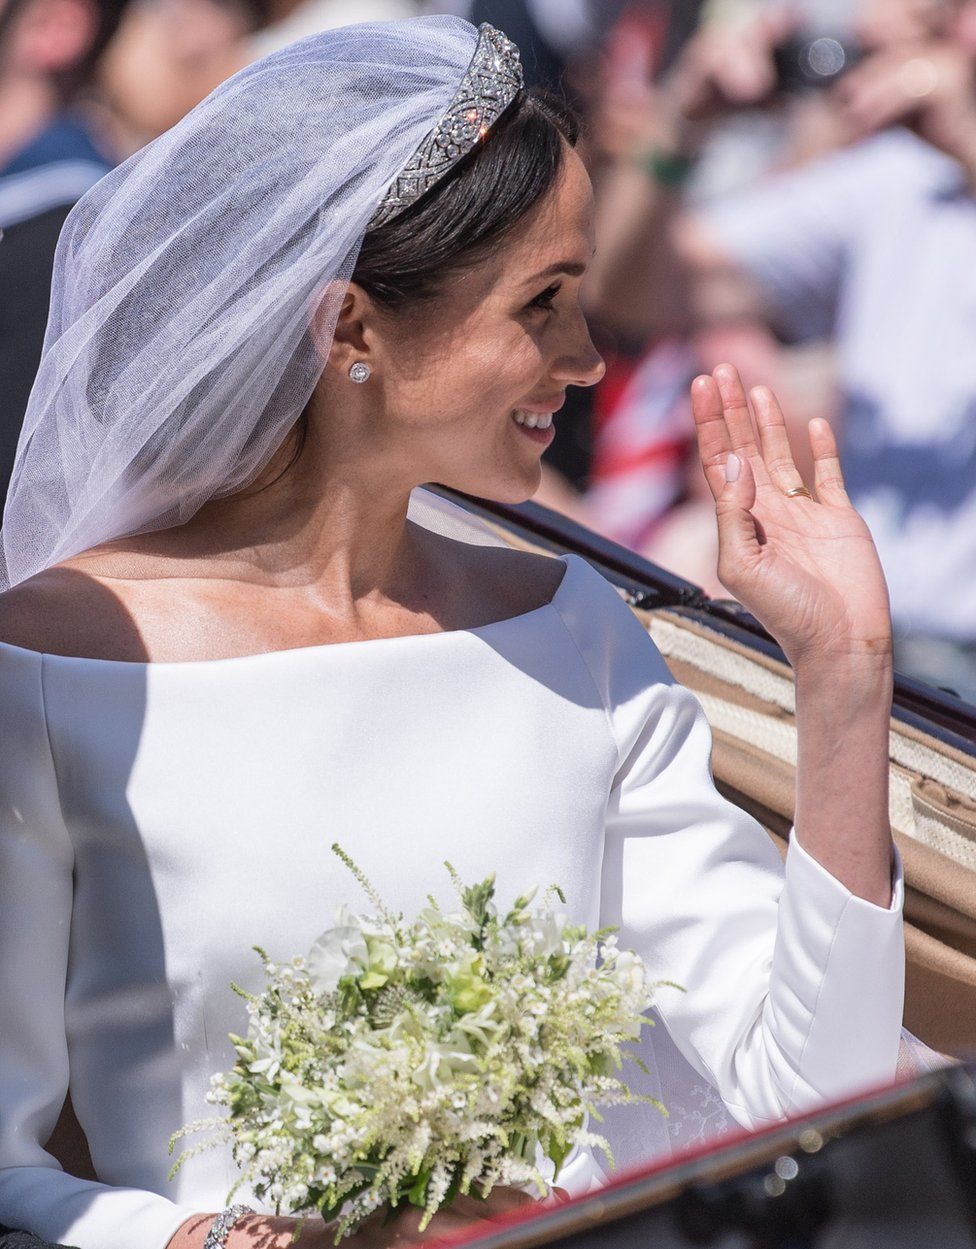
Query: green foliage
(411, 1063)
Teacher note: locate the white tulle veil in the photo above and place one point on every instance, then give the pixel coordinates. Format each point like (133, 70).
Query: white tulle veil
(178, 352)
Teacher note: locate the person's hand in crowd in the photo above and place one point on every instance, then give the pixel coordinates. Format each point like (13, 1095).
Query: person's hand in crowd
(725, 66)
(930, 87)
(626, 119)
(729, 65)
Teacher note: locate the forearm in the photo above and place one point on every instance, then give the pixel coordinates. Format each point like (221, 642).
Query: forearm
(638, 282)
(843, 710)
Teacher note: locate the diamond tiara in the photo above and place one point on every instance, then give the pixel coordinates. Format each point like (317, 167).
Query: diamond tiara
(490, 84)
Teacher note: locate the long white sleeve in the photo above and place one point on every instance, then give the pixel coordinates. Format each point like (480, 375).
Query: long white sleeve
(142, 808)
(36, 865)
(794, 986)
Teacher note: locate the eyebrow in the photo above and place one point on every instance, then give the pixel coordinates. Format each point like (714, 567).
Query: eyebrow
(573, 268)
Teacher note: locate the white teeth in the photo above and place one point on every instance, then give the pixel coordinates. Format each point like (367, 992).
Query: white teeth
(533, 420)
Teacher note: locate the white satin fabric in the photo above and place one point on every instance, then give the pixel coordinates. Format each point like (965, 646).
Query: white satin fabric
(157, 820)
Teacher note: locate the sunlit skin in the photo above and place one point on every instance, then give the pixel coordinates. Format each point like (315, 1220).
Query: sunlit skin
(884, 23)
(325, 553)
(39, 41)
(447, 376)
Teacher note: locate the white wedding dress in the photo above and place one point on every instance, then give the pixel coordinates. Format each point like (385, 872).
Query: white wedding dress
(157, 820)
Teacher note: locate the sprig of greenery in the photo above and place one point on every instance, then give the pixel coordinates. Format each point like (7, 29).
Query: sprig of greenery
(410, 1063)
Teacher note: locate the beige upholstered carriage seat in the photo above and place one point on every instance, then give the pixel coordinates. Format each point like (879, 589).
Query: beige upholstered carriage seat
(749, 700)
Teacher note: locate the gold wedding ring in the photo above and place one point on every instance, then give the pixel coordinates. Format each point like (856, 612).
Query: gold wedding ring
(799, 492)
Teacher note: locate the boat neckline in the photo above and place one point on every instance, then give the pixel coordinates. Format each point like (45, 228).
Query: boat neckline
(474, 631)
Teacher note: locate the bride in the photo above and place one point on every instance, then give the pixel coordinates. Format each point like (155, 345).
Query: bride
(352, 270)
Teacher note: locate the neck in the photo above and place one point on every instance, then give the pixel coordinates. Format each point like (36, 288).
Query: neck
(334, 522)
(26, 107)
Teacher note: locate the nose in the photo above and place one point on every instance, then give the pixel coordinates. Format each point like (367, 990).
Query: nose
(581, 364)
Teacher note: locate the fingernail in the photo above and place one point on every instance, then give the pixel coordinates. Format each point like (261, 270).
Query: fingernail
(732, 466)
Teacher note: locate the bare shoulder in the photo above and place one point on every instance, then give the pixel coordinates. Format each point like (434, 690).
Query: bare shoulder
(68, 611)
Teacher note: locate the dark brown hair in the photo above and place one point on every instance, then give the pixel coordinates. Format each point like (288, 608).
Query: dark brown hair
(457, 225)
(460, 221)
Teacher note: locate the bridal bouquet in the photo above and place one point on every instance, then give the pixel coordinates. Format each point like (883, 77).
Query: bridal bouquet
(411, 1062)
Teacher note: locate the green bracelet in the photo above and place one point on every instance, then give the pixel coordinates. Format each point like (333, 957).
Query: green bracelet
(667, 169)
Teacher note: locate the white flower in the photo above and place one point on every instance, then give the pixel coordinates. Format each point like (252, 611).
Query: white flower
(629, 969)
(458, 1055)
(443, 1062)
(340, 951)
(549, 933)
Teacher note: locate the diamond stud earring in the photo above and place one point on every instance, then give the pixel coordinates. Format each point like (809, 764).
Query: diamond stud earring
(360, 371)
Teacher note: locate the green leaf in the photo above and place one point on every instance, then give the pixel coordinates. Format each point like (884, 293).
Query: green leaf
(454, 1187)
(558, 966)
(557, 1151)
(417, 1192)
(477, 900)
(558, 1147)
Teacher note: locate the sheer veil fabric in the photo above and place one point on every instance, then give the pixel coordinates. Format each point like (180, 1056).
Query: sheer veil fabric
(179, 352)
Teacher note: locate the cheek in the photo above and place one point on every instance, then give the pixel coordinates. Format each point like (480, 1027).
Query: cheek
(506, 370)
(481, 374)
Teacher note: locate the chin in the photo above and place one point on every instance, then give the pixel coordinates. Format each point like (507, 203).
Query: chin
(518, 488)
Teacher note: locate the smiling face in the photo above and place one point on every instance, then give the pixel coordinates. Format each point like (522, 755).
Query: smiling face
(464, 387)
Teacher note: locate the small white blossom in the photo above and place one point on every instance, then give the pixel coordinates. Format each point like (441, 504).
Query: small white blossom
(409, 1057)
(340, 951)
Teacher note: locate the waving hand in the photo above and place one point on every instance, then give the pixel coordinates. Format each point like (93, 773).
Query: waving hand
(806, 567)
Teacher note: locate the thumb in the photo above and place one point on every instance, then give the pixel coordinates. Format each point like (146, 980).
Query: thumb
(738, 538)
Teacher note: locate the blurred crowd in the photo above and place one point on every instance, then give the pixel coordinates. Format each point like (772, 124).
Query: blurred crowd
(790, 187)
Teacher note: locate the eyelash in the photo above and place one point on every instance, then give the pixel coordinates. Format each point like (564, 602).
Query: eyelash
(544, 300)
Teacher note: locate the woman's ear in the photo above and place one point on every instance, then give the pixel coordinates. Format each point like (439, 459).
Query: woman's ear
(342, 325)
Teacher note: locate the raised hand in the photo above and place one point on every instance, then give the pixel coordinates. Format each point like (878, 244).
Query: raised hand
(806, 567)
(927, 86)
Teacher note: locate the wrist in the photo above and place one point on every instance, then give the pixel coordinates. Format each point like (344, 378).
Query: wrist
(844, 688)
(863, 665)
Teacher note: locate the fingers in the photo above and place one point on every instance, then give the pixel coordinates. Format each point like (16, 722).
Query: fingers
(502, 1200)
(739, 544)
(714, 443)
(724, 423)
(774, 440)
(738, 418)
(871, 98)
(827, 475)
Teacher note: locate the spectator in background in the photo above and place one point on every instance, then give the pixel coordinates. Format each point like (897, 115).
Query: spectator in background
(170, 54)
(51, 152)
(874, 245)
